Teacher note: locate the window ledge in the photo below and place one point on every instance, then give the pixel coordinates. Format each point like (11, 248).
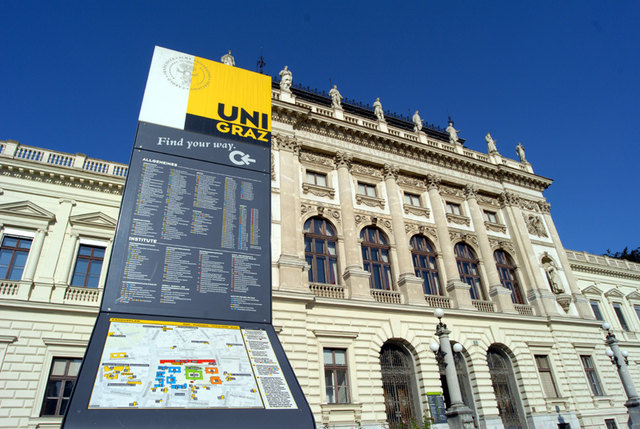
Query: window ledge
(459, 219)
(496, 227)
(370, 201)
(341, 413)
(417, 210)
(320, 191)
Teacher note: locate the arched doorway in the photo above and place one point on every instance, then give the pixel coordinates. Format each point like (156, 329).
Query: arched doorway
(505, 388)
(399, 386)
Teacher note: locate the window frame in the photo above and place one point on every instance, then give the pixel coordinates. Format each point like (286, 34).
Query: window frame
(488, 214)
(595, 307)
(14, 252)
(315, 175)
(473, 264)
(334, 368)
(92, 259)
(411, 199)
(430, 276)
(507, 266)
(367, 187)
(591, 373)
(382, 268)
(451, 207)
(617, 309)
(64, 378)
(548, 370)
(324, 239)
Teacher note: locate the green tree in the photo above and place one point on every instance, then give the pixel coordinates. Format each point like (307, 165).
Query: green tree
(633, 255)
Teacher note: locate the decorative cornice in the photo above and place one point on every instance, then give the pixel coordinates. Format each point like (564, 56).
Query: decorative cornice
(495, 227)
(287, 143)
(471, 191)
(327, 212)
(600, 270)
(450, 191)
(366, 170)
(93, 220)
(508, 199)
(316, 159)
(411, 181)
(370, 201)
(26, 209)
(487, 200)
(416, 210)
(458, 219)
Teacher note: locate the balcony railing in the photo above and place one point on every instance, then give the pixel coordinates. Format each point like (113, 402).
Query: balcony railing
(82, 296)
(386, 296)
(438, 301)
(484, 306)
(326, 290)
(525, 310)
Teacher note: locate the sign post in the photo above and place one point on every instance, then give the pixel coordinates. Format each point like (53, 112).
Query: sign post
(184, 335)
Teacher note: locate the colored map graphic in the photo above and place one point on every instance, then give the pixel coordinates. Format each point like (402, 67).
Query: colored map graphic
(153, 364)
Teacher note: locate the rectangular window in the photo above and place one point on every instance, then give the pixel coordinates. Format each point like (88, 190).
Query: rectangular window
(13, 256)
(62, 377)
(336, 376)
(412, 199)
(314, 178)
(453, 208)
(490, 216)
(366, 189)
(618, 309)
(596, 310)
(637, 309)
(88, 266)
(592, 375)
(548, 385)
(610, 424)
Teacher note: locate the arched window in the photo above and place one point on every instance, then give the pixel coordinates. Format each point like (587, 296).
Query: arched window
(505, 388)
(399, 385)
(375, 257)
(507, 270)
(320, 244)
(468, 269)
(424, 264)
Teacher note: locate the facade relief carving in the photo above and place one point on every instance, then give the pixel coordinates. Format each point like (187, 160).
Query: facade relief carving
(370, 201)
(366, 170)
(450, 191)
(374, 220)
(535, 226)
(471, 191)
(288, 143)
(495, 227)
(544, 206)
(433, 182)
(316, 159)
(390, 171)
(509, 199)
(317, 190)
(529, 205)
(502, 244)
(418, 211)
(328, 212)
(458, 219)
(487, 200)
(429, 231)
(456, 236)
(411, 181)
(343, 159)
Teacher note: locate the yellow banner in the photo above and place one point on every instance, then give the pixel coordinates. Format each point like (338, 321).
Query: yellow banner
(160, 322)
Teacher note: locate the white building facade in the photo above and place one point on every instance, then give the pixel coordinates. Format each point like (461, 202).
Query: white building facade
(374, 225)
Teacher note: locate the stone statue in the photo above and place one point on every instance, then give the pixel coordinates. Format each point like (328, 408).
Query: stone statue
(553, 277)
(520, 152)
(491, 143)
(417, 122)
(286, 79)
(453, 133)
(377, 109)
(228, 59)
(336, 97)
(535, 226)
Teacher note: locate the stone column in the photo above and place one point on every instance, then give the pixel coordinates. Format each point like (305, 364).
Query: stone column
(457, 289)
(409, 285)
(34, 255)
(459, 416)
(582, 304)
(633, 402)
(356, 278)
(538, 293)
(498, 293)
(63, 276)
(46, 273)
(291, 263)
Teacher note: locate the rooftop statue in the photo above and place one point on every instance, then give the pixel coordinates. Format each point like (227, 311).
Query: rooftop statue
(228, 59)
(417, 122)
(491, 143)
(336, 97)
(377, 109)
(520, 152)
(453, 133)
(286, 79)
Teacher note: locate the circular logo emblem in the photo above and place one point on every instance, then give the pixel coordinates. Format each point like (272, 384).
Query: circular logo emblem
(181, 73)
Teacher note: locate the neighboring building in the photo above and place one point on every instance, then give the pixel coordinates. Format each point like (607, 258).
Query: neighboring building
(373, 226)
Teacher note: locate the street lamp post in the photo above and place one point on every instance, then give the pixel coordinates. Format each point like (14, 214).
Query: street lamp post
(619, 359)
(459, 416)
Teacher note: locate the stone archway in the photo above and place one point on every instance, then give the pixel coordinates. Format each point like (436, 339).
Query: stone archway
(505, 389)
(399, 386)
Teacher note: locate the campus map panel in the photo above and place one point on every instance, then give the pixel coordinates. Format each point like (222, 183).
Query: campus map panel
(159, 364)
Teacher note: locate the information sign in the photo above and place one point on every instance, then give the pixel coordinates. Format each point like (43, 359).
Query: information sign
(437, 407)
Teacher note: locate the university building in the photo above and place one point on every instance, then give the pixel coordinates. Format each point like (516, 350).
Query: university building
(374, 225)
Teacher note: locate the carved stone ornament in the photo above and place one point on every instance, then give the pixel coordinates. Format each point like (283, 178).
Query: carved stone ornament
(343, 159)
(564, 300)
(446, 190)
(316, 159)
(374, 220)
(509, 199)
(411, 181)
(317, 190)
(535, 226)
(370, 201)
(495, 227)
(545, 207)
(462, 236)
(433, 182)
(458, 219)
(418, 211)
(366, 170)
(554, 279)
(390, 171)
(471, 191)
(429, 231)
(487, 200)
(288, 143)
(529, 205)
(273, 169)
(502, 244)
(323, 211)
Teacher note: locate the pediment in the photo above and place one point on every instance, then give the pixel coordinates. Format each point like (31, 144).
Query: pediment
(26, 209)
(615, 293)
(592, 290)
(95, 219)
(634, 295)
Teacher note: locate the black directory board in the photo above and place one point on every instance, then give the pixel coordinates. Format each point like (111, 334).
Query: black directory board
(194, 238)
(437, 407)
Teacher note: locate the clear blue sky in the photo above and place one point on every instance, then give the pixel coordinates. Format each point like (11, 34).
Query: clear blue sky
(561, 77)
